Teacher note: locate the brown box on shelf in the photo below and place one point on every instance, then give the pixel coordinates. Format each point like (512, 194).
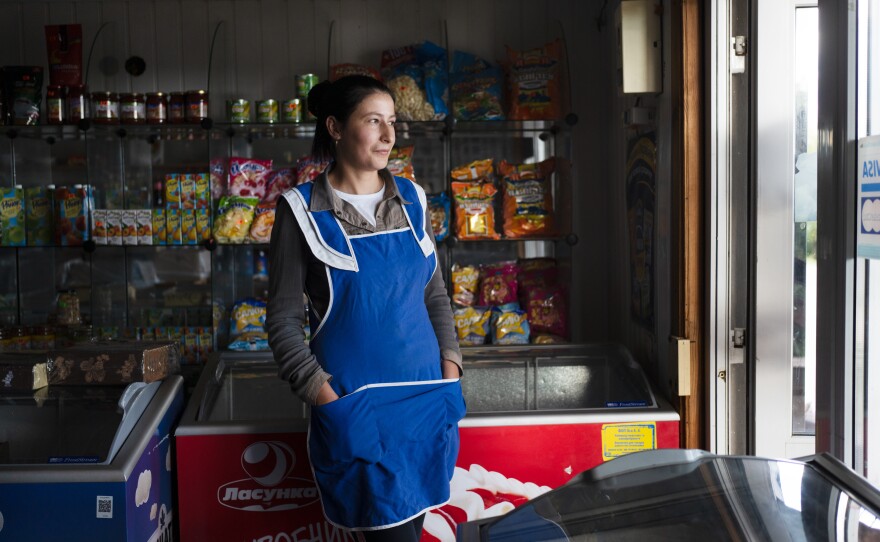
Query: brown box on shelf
(113, 363)
(22, 372)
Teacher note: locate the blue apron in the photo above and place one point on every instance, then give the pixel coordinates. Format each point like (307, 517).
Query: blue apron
(385, 451)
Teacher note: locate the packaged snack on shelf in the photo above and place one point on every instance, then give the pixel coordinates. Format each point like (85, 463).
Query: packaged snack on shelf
(498, 285)
(173, 231)
(12, 217)
(417, 77)
(202, 191)
(308, 168)
(547, 311)
(439, 210)
(476, 88)
(71, 215)
(144, 221)
(279, 181)
(38, 215)
(188, 230)
(465, 284)
(172, 191)
(64, 48)
(474, 209)
(113, 219)
(113, 363)
(129, 227)
(187, 191)
(99, 226)
(160, 231)
(247, 177)
(203, 224)
(400, 162)
(248, 314)
(341, 70)
(546, 338)
(264, 219)
(536, 273)
(472, 325)
(235, 214)
(477, 170)
(534, 78)
(509, 325)
(528, 198)
(250, 341)
(22, 92)
(217, 176)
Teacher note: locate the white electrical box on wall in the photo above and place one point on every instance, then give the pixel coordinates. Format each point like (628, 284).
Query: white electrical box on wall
(639, 45)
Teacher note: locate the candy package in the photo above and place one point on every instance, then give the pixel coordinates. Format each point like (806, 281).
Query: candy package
(217, 171)
(528, 198)
(264, 219)
(278, 182)
(247, 315)
(417, 77)
(536, 273)
(498, 285)
(400, 162)
(235, 214)
(247, 176)
(534, 78)
(547, 311)
(474, 209)
(308, 168)
(509, 325)
(476, 88)
(472, 325)
(439, 210)
(465, 282)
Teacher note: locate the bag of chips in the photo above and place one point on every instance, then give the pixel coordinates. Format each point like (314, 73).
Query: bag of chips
(217, 168)
(417, 77)
(536, 273)
(474, 209)
(476, 88)
(438, 209)
(247, 315)
(264, 219)
(534, 78)
(247, 176)
(547, 312)
(472, 325)
(250, 341)
(400, 162)
(498, 284)
(465, 282)
(234, 217)
(476, 170)
(509, 325)
(308, 168)
(278, 182)
(528, 198)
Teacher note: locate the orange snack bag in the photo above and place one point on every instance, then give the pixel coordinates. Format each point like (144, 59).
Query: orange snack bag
(528, 198)
(474, 209)
(534, 81)
(400, 162)
(478, 169)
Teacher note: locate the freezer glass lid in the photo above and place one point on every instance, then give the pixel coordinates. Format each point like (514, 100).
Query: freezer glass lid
(707, 497)
(60, 425)
(249, 390)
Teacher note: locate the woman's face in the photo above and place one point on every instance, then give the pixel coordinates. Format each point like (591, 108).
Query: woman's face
(367, 138)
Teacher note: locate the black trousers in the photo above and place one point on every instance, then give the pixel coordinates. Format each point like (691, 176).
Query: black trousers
(411, 531)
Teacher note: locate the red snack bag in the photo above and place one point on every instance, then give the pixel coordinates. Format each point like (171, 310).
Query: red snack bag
(400, 162)
(528, 198)
(536, 273)
(498, 284)
(308, 168)
(474, 209)
(547, 312)
(278, 182)
(247, 177)
(534, 80)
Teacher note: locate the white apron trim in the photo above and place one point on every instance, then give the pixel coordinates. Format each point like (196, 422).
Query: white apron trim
(320, 248)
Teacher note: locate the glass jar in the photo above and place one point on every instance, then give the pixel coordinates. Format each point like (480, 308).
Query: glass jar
(42, 338)
(196, 105)
(132, 108)
(157, 108)
(67, 306)
(105, 107)
(177, 108)
(55, 104)
(77, 103)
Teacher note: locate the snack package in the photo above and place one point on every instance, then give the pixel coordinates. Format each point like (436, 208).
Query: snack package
(217, 174)
(400, 162)
(308, 168)
(474, 209)
(465, 283)
(64, 48)
(547, 312)
(439, 210)
(264, 219)
(477, 88)
(498, 285)
(247, 176)
(250, 341)
(22, 93)
(338, 71)
(534, 78)
(472, 325)
(509, 325)
(278, 182)
(248, 314)
(478, 169)
(536, 273)
(234, 217)
(417, 77)
(528, 198)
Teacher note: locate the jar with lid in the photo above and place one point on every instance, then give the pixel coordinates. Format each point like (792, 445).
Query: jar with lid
(55, 104)
(67, 306)
(77, 104)
(157, 108)
(196, 105)
(105, 107)
(177, 108)
(132, 108)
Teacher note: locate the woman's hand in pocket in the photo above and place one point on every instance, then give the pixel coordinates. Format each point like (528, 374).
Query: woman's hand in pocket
(449, 369)
(326, 395)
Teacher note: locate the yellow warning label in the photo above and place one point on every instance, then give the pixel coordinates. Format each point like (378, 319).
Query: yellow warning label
(625, 438)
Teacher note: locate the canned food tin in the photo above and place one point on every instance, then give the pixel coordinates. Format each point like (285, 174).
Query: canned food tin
(157, 108)
(304, 83)
(196, 105)
(292, 110)
(176, 108)
(105, 107)
(238, 110)
(267, 111)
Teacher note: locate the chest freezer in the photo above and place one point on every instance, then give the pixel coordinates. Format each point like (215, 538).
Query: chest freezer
(86, 463)
(536, 417)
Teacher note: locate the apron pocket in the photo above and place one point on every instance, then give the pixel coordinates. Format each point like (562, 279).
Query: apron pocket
(456, 407)
(344, 431)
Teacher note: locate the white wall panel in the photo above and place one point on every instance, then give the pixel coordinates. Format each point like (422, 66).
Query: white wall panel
(89, 15)
(112, 49)
(10, 34)
(195, 42)
(222, 63)
(169, 54)
(141, 42)
(33, 36)
(277, 80)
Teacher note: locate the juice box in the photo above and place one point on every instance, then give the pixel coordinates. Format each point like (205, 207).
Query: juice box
(71, 215)
(38, 215)
(129, 227)
(12, 217)
(175, 334)
(191, 344)
(188, 191)
(203, 190)
(144, 221)
(159, 228)
(206, 343)
(203, 223)
(161, 333)
(172, 191)
(172, 226)
(99, 226)
(113, 219)
(188, 231)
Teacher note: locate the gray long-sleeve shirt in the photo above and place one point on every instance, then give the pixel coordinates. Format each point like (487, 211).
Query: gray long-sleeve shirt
(293, 269)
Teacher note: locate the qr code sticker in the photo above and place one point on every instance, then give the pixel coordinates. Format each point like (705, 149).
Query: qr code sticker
(105, 507)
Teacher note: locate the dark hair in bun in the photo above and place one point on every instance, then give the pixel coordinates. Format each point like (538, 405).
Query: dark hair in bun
(338, 99)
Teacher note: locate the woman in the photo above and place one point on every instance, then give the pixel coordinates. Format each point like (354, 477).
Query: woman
(382, 367)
